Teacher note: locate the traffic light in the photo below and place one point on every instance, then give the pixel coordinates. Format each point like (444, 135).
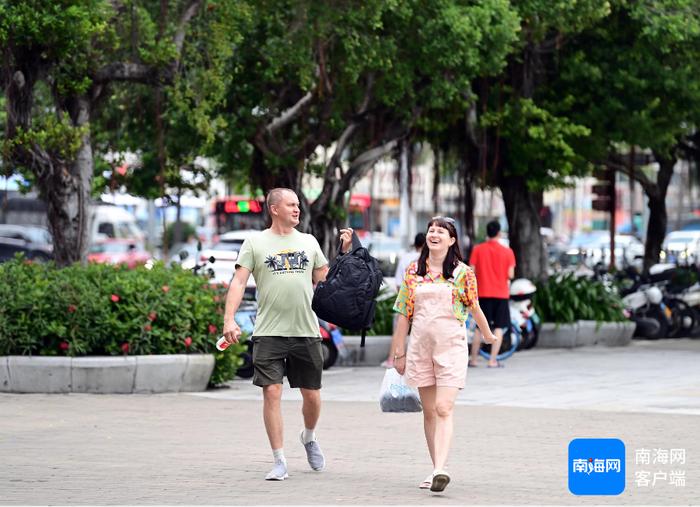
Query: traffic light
(604, 190)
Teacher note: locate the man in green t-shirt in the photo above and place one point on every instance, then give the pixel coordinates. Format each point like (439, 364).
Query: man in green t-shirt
(285, 264)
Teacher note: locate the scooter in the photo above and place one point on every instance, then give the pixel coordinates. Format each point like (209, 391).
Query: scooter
(523, 317)
(646, 307)
(524, 322)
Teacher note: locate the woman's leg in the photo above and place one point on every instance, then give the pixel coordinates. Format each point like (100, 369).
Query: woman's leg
(427, 398)
(444, 405)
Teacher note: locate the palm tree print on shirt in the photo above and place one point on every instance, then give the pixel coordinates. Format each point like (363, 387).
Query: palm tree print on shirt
(287, 260)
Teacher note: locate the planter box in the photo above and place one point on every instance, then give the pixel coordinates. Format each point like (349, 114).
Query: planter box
(585, 333)
(557, 336)
(106, 374)
(611, 334)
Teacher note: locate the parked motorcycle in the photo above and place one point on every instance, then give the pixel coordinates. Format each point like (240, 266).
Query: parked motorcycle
(645, 306)
(524, 322)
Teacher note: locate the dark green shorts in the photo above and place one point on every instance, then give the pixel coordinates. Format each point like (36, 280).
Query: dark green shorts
(302, 358)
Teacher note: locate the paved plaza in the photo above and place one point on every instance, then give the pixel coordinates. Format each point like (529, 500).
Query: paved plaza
(513, 427)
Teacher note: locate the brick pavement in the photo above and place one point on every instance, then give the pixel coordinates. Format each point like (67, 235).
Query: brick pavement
(183, 449)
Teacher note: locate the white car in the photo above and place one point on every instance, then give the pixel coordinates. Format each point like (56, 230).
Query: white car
(594, 247)
(681, 246)
(225, 253)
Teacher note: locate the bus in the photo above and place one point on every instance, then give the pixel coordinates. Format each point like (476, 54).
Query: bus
(237, 212)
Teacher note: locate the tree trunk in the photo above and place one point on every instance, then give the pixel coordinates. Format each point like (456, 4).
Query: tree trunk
(469, 202)
(658, 217)
(65, 188)
(325, 227)
(524, 229)
(177, 228)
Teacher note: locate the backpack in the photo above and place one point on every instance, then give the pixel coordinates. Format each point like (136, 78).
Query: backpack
(347, 297)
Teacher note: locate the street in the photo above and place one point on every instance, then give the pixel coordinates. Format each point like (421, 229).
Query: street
(512, 430)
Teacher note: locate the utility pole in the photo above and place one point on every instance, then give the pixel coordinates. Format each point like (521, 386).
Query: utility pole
(613, 205)
(403, 195)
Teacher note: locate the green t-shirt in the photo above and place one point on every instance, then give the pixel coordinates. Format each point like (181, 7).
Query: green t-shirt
(282, 267)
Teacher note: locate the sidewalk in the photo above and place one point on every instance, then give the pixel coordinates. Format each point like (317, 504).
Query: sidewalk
(212, 449)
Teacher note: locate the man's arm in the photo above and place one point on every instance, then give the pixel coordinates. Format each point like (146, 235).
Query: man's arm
(319, 274)
(511, 272)
(232, 332)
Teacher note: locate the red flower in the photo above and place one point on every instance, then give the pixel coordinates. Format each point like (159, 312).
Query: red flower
(114, 298)
(72, 308)
(125, 347)
(64, 346)
(147, 327)
(152, 316)
(212, 329)
(217, 299)
(165, 288)
(188, 341)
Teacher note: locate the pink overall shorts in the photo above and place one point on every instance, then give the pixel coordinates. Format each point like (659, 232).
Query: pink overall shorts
(437, 353)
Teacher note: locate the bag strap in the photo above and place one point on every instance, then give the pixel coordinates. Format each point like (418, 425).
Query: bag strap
(362, 340)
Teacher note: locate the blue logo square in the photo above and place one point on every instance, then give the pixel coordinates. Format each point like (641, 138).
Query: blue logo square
(596, 466)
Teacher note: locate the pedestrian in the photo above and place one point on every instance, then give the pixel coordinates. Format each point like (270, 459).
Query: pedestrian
(285, 264)
(436, 295)
(405, 259)
(494, 265)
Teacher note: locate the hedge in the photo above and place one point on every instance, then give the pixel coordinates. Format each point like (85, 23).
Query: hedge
(103, 309)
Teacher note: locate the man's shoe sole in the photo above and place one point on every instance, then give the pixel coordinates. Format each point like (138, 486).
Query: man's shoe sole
(285, 476)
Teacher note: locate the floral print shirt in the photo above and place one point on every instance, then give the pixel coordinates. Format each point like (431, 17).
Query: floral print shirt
(464, 290)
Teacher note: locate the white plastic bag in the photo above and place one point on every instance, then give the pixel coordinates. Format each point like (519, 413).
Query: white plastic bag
(397, 396)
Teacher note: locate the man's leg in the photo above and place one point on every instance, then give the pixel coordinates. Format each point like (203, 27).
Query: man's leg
(305, 369)
(476, 344)
(311, 410)
(496, 346)
(311, 407)
(268, 371)
(272, 415)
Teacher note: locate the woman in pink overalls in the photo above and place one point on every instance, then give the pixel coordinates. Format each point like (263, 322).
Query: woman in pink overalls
(437, 293)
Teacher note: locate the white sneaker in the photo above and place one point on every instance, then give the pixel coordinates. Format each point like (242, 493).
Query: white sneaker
(278, 472)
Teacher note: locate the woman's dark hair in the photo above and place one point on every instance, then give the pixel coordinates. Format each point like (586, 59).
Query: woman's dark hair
(453, 254)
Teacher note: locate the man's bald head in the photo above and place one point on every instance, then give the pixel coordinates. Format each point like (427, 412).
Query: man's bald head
(275, 195)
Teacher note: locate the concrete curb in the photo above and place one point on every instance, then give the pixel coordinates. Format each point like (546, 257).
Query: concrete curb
(585, 333)
(106, 374)
(375, 351)
(4, 375)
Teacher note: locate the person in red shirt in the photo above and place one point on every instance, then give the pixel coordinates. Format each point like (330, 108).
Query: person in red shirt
(494, 266)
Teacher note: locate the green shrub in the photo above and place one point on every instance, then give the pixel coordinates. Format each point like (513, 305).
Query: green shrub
(566, 299)
(103, 309)
(384, 315)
